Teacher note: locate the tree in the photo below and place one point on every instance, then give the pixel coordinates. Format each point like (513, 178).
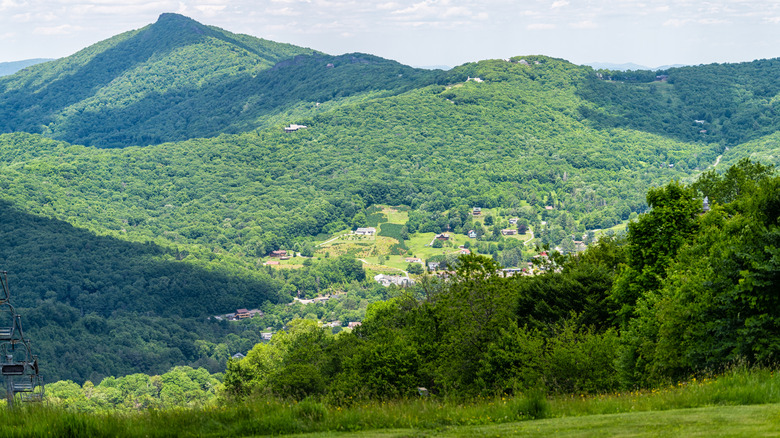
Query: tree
(415, 269)
(653, 240)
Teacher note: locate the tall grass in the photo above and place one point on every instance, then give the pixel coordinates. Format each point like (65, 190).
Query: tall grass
(274, 417)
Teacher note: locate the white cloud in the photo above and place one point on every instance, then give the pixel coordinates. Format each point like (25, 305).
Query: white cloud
(676, 22)
(388, 6)
(541, 26)
(585, 24)
(559, 4)
(284, 12)
(210, 10)
(63, 29)
(10, 4)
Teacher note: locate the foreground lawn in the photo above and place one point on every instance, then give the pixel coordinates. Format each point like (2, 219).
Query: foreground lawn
(710, 422)
(739, 402)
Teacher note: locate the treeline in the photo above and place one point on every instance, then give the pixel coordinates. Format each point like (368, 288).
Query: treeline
(687, 291)
(177, 388)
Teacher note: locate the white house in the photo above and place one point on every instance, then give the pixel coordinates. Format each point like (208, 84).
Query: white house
(293, 127)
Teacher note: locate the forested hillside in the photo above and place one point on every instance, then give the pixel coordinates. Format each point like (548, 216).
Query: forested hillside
(727, 104)
(691, 290)
(178, 79)
(145, 177)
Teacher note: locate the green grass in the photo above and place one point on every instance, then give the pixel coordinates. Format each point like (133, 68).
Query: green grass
(739, 403)
(710, 422)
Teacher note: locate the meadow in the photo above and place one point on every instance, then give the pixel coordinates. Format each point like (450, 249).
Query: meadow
(739, 402)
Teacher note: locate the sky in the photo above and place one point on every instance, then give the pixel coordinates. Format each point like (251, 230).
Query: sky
(427, 32)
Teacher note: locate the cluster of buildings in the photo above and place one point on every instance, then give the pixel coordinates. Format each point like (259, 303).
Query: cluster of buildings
(387, 280)
(239, 315)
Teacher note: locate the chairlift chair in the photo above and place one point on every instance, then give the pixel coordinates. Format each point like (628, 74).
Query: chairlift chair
(10, 323)
(5, 293)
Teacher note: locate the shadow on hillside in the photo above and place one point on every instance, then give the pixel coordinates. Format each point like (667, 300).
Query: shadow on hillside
(198, 110)
(51, 259)
(28, 110)
(234, 106)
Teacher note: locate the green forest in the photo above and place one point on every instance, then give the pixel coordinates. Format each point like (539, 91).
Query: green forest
(146, 180)
(687, 291)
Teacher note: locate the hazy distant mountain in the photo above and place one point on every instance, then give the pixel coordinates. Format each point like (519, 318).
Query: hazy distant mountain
(629, 66)
(434, 67)
(9, 68)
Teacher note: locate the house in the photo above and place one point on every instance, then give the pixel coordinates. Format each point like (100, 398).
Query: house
(243, 313)
(443, 236)
(368, 231)
(279, 253)
(413, 260)
(469, 78)
(465, 251)
(549, 207)
(472, 234)
(387, 280)
(432, 266)
(509, 272)
(354, 324)
(256, 312)
(509, 232)
(271, 263)
(332, 324)
(476, 211)
(294, 127)
(266, 336)
(238, 356)
(580, 246)
(513, 221)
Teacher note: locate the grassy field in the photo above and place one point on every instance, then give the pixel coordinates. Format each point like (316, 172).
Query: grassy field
(710, 422)
(738, 403)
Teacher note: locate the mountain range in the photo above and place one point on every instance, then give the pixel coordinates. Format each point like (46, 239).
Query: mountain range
(147, 174)
(9, 68)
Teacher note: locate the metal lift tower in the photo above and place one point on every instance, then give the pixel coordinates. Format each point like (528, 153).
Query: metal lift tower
(19, 367)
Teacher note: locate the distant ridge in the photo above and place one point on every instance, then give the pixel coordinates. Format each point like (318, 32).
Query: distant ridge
(9, 68)
(629, 66)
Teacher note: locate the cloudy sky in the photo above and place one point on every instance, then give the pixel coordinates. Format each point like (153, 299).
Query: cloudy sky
(427, 32)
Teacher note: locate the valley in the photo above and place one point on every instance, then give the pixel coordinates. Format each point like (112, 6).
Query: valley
(180, 171)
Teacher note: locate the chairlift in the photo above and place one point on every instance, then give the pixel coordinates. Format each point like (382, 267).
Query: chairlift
(5, 294)
(29, 388)
(19, 360)
(19, 367)
(10, 323)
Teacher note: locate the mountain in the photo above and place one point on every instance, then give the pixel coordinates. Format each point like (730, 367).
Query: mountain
(618, 67)
(717, 103)
(178, 79)
(148, 174)
(9, 68)
(629, 66)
